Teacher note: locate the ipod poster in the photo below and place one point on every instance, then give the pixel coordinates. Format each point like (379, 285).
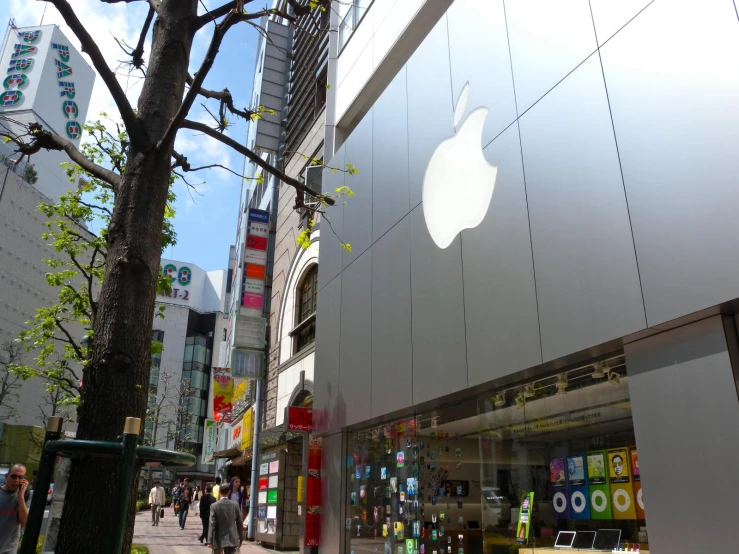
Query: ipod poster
(576, 470)
(618, 465)
(597, 468)
(557, 475)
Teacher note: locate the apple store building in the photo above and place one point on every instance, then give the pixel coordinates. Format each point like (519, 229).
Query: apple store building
(531, 343)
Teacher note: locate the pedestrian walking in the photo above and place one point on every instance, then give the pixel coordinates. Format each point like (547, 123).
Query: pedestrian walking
(225, 531)
(14, 499)
(176, 497)
(196, 495)
(205, 504)
(217, 489)
(235, 494)
(156, 499)
(185, 498)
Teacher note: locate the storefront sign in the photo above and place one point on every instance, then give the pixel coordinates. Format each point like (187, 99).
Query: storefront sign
(313, 496)
(235, 440)
(272, 497)
(263, 483)
(209, 441)
(262, 512)
(256, 242)
(300, 419)
(252, 256)
(525, 517)
(258, 216)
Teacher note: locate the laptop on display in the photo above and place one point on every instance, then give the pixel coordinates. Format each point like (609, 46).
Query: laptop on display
(607, 539)
(565, 539)
(584, 540)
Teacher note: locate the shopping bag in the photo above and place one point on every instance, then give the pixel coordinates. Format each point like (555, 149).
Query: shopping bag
(161, 512)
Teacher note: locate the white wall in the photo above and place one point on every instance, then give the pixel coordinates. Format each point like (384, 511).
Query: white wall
(288, 380)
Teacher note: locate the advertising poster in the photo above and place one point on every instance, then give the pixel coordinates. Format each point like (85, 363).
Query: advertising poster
(247, 431)
(524, 518)
(577, 478)
(598, 489)
(622, 492)
(313, 493)
(299, 419)
(209, 441)
(223, 389)
(638, 496)
(560, 491)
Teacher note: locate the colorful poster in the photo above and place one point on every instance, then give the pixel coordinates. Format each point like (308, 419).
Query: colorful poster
(524, 518)
(579, 505)
(622, 492)
(313, 494)
(557, 472)
(209, 441)
(223, 388)
(638, 493)
(598, 489)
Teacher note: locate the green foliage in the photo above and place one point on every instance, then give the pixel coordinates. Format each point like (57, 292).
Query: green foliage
(30, 175)
(139, 549)
(78, 268)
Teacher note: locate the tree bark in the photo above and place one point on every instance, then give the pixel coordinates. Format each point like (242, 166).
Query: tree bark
(115, 381)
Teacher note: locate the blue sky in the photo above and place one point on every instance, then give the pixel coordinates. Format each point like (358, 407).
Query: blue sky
(205, 221)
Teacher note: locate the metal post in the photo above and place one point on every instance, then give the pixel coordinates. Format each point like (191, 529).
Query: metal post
(126, 465)
(255, 461)
(41, 486)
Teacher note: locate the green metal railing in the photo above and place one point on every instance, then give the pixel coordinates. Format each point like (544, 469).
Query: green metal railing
(128, 452)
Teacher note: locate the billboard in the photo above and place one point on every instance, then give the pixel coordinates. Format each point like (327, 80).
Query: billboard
(209, 441)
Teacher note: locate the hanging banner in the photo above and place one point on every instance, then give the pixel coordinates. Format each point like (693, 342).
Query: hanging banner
(576, 477)
(600, 496)
(560, 490)
(313, 496)
(247, 432)
(209, 441)
(223, 388)
(622, 492)
(524, 518)
(638, 495)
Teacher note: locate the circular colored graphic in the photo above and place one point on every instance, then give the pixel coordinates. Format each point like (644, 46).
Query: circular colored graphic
(560, 502)
(70, 109)
(15, 81)
(11, 98)
(184, 276)
(578, 502)
(73, 130)
(640, 499)
(169, 271)
(599, 501)
(621, 500)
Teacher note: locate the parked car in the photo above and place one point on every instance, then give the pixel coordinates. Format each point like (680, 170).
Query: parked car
(50, 494)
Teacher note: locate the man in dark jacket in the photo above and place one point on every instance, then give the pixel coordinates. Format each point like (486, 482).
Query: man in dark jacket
(205, 503)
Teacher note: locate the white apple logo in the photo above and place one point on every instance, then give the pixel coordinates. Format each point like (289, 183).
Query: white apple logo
(457, 169)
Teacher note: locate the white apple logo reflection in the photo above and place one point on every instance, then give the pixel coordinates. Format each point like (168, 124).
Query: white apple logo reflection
(459, 181)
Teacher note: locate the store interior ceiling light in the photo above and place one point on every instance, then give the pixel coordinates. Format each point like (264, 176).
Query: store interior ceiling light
(500, 400)
(561, 383)
(520, 401)
(599, 370)
(528, 391)
(614, 379)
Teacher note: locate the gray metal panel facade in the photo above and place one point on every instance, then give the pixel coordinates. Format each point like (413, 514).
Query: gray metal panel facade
(355, 377)
(430, 104)
(439, 357)
(271, 87)
(685, 409)
(358, 208)
(328, 334)
(672, 80)
(331, 230)
(392, 355)
(333, 487)
(610, 234)
(586, 273)
(500, 298)
(390, 192)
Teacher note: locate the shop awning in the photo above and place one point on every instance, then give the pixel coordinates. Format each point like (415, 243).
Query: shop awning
(232, 452)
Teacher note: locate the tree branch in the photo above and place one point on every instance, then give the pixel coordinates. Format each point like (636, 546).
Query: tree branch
(241, 149)
(132, 123)
(220, 31)
(49, 141)
(71, 340)
(212, 15)
(137, 54)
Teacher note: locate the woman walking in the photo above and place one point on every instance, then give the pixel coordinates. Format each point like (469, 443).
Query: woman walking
(235, 494)
(196, 497)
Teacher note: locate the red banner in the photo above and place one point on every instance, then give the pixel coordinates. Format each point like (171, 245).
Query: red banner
(300, 419)
(263, 483)
(313, 498)
(255, 242)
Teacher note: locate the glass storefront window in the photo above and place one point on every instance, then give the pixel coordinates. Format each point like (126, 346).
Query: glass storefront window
(549, 461)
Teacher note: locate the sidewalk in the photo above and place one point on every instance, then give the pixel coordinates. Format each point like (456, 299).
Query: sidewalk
(168, 538)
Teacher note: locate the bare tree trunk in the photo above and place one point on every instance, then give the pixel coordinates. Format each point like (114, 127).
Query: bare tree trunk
(120, 361)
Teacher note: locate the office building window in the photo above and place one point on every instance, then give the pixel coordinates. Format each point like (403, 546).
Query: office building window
(305, 332)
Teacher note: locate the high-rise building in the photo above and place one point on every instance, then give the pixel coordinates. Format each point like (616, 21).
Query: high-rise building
(532, 344)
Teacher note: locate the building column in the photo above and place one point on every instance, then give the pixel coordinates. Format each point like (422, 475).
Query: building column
(333, 494)
(686, 420)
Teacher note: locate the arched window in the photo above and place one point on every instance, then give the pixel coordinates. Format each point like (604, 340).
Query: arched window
(305, 332)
